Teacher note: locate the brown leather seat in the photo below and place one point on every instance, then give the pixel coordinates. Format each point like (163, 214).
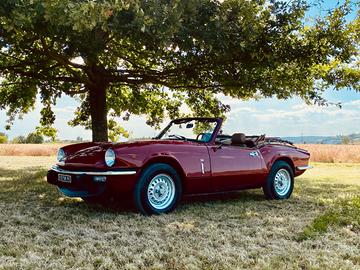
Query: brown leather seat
(238, 139)
(250, 143)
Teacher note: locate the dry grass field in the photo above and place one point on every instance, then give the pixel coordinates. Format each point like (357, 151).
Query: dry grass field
(319, 152)
(29, 149)
(318, 228)
(333, 153)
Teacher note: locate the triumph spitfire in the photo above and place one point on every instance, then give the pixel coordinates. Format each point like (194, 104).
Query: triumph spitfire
(190, 156)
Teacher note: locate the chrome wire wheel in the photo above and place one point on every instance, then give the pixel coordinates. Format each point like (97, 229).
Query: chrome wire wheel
(282, 182)
(161, 191)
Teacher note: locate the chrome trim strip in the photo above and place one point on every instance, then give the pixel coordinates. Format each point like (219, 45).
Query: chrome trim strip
(303, 168)
(57, 169)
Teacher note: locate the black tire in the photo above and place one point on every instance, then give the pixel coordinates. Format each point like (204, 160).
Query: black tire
(141, 199)
(269, 189)
(93, 200)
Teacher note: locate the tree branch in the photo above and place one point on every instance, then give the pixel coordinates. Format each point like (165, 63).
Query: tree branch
(47, 78)
(68, 65)
(8, 84)
(154, 80)
(10, 56)
(71, 93)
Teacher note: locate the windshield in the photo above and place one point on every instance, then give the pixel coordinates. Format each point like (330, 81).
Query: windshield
(199, 130)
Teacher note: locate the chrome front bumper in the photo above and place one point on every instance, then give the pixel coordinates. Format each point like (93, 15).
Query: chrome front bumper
(303, 168)
(83, 183)
(100, 173)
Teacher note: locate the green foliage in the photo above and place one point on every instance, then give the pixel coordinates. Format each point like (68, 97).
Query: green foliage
(47, 131)
(343, 213)
(345, 140)
(34, 138)
(203, 127)
(116, 131)
(19, 139)
(3, 138)
(152, 57)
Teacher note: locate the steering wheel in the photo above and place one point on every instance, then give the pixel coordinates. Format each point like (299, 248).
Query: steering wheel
(177, 137)
(197, 137)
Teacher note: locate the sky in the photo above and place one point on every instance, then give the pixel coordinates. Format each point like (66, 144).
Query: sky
(270, 116)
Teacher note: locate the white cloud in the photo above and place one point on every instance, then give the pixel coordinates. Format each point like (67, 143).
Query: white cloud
(289, 118)
(235, 110)
(67, 109)
(353, 103)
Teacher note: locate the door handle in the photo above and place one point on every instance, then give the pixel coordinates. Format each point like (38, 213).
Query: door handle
(254, 154)
(202, 166)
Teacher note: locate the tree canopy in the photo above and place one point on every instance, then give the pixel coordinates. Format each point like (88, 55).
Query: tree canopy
(125, 57)
(3, 138)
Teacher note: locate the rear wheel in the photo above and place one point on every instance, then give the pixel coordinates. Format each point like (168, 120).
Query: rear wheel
(280, 181)
(158, 189)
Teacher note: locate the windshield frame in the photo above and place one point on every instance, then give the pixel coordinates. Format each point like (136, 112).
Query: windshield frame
(188, 119)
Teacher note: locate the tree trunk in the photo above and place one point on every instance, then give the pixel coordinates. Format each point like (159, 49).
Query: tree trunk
(98, 112)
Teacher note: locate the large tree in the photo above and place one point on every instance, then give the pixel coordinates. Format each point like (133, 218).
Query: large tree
(123, 57)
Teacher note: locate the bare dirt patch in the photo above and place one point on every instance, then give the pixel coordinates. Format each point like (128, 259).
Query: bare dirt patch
(40, 229)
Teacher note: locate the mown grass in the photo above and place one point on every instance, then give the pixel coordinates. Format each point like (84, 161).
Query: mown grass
(318, 228)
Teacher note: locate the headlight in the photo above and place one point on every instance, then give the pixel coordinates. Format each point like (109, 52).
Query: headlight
(60, 154)
(110, 157)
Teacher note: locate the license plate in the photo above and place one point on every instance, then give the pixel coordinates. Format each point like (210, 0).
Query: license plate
(64, 178)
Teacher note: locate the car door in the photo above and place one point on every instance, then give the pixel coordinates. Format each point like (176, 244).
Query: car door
(235, 167)
(194, 162)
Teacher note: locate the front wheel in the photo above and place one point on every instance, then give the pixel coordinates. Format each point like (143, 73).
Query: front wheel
(158, 189)
(280, 182)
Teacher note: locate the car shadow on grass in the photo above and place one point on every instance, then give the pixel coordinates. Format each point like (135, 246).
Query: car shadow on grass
(223, 198)
(18, 184)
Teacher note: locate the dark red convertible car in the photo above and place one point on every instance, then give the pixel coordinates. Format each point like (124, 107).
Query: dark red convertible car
(190, 156)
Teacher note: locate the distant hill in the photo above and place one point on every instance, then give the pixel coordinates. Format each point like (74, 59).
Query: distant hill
(353, 139)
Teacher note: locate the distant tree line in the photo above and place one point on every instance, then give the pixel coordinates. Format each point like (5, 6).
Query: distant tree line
(35, 137)
(32, 137)
(345, 140)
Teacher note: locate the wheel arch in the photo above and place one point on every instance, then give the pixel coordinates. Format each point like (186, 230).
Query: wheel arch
(287, 160)
(167, 160)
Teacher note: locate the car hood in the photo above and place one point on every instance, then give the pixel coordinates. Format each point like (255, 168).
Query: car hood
(92, 154)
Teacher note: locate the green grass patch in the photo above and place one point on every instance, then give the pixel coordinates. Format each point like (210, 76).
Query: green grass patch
(345, 212)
